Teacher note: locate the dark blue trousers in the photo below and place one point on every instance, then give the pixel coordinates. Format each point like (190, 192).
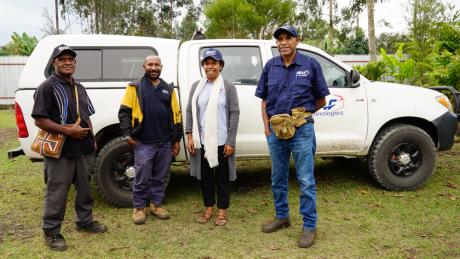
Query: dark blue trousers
(151, 162)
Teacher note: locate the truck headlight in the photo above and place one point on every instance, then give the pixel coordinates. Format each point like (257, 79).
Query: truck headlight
(444, 101)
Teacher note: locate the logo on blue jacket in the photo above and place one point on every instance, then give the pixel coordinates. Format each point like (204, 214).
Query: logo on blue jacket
(306, 72)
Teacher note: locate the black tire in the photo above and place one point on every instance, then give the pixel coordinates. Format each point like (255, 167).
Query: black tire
(112, 182)
(402, 157)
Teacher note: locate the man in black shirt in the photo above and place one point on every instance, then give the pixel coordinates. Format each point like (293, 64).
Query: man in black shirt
(60, 100)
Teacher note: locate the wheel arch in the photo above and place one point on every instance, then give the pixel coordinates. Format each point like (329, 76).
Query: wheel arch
(106, 134)
(423, 124)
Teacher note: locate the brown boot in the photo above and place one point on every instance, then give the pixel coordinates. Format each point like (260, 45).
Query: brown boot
(276, 225)
(307, 238)
(159, 211)
(138, 216)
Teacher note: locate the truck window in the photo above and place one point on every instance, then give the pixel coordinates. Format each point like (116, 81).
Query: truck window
(124, 63)
(243, 65)
(89, 64)
(109, 64)
(334, 75)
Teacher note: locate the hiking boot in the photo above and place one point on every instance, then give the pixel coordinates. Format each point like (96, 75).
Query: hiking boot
(56, 242)
(307, 238)
(93, 227)
(138, 216)
(276, 225)
(159, 211)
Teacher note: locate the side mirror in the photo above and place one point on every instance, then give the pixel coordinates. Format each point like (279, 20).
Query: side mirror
(355, 76)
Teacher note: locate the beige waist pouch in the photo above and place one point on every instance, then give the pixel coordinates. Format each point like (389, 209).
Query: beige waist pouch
(284, 124)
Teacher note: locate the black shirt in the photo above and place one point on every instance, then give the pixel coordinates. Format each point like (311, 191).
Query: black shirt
(157, 113)
(55, 100)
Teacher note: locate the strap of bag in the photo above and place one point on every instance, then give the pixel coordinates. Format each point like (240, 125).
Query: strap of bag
(76, 96)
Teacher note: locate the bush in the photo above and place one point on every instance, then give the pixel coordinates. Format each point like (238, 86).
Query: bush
(373, 70)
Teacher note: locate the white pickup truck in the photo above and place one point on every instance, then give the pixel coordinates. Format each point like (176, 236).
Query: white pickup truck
(398, 128)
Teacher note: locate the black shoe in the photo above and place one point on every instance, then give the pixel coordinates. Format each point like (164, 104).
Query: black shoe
(276, 225)
(93, 227)
(307, 238)
(56, 242)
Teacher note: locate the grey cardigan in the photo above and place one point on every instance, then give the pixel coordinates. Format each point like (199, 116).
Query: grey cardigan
(233, 115)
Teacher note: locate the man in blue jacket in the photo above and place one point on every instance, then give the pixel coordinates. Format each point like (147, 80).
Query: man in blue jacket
(292, 88)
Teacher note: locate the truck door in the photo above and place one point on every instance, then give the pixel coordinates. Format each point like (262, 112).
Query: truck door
(341, 125)
(243, 66)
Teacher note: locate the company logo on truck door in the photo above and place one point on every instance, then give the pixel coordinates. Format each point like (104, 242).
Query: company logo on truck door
(334, 106)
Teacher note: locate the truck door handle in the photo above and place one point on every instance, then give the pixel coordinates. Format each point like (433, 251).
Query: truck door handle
(359, 100)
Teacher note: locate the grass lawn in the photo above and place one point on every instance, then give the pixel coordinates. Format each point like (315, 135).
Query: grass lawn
(356, 217)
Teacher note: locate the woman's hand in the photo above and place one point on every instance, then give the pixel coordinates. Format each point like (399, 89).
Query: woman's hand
(190, 145)
(228, 151)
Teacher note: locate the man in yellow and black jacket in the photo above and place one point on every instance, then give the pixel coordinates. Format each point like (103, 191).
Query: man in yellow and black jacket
(150, 120)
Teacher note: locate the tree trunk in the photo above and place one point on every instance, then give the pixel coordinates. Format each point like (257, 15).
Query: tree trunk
(171, 14)
(96, 16)
(371, 30)
(331, 25)
(56, 8)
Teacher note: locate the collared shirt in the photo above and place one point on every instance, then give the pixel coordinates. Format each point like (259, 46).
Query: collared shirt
(157, 124)
(202, 104)
(55, 99)
(298, 85)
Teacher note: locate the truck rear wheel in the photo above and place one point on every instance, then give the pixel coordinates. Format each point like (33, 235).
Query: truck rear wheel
(114, 172)
(402, 157)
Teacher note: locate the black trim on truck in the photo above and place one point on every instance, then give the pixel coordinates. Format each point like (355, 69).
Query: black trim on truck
(446, 127)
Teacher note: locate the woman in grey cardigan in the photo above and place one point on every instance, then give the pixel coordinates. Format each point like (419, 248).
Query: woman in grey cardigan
(211, 124)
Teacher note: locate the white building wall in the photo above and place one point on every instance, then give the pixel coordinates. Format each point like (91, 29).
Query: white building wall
(10, 71)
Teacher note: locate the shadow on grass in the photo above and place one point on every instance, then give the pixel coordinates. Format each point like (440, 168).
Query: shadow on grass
(256, 174)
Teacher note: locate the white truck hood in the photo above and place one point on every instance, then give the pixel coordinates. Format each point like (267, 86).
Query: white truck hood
(398, 100)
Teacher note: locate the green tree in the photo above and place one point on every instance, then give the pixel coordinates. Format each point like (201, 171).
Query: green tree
(189, 24)
(356, 7)
(351, 43)
(445, 60)
(168, 12)
(391, 41)
(246, 18)
(19, 45)
(425, 21)
(126, 17)
(309, 22)
(270, 14)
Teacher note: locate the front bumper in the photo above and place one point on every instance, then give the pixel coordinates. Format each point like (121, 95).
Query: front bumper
(446, 127)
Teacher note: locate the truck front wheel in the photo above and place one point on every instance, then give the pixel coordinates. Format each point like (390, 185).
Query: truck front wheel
(402, 157)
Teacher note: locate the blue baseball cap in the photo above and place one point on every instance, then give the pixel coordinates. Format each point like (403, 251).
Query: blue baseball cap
(212, 53)
(285, 28)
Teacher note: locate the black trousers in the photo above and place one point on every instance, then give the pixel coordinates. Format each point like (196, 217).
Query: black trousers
(60, 174)
(215, 178)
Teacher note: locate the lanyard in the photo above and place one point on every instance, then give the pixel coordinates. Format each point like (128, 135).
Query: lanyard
(76, 97)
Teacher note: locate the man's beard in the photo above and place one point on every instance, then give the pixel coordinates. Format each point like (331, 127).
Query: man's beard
(153, 77)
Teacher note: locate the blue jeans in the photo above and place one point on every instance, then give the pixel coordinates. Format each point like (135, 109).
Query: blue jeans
(303, 147)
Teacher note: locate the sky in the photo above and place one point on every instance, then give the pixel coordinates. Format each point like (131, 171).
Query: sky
(27, 16)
